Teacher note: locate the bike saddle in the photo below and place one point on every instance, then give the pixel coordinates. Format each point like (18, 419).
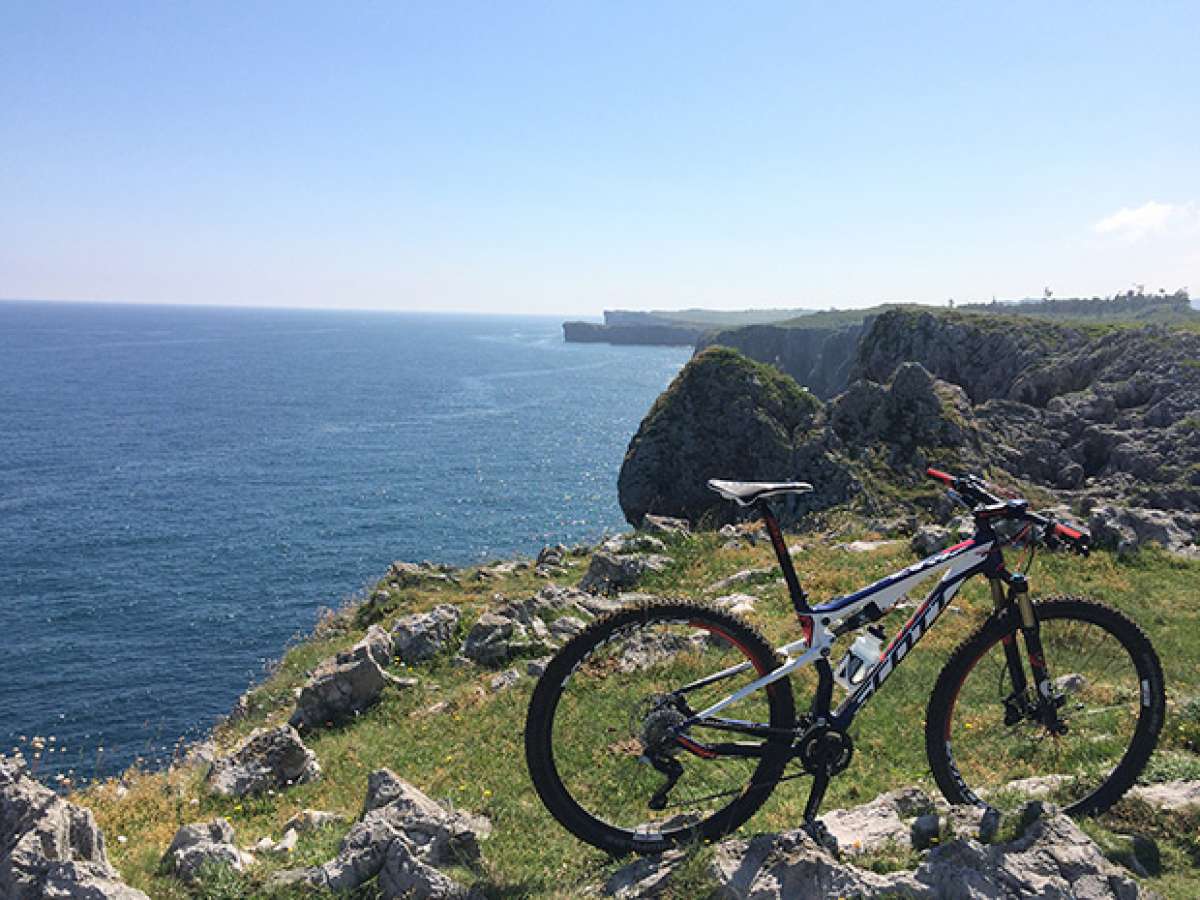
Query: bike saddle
(745, 493)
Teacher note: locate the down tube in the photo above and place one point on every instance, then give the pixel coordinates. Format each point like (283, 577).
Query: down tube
(912, 632)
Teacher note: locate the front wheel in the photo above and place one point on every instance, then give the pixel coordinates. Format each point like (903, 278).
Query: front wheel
(603, 740)
(986, 739)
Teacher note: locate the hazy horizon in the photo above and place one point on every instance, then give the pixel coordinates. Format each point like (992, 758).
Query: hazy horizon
(566, 160)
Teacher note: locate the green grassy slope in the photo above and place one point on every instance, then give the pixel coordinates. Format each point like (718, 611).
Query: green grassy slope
(471, 752)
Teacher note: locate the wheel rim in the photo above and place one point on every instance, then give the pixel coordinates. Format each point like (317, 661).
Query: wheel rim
(615, 701)
(1101, 690)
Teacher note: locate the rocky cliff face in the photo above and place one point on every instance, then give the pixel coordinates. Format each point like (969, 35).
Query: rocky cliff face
(819, 358)
(650, 333)
(1107, 416)
(1112, 414)
(725, 416)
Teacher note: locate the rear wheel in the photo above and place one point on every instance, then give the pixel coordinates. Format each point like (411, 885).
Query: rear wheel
(986, 741)
(600, 738)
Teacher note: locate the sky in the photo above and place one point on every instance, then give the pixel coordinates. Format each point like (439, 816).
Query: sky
(568, 157)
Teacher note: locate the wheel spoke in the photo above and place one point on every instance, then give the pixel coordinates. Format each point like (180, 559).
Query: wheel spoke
(1097, 686)
(617, 742)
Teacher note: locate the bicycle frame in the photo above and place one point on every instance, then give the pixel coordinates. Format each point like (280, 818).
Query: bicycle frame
(980, 555)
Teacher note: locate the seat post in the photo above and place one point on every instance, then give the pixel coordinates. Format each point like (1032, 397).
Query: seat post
(799, 597)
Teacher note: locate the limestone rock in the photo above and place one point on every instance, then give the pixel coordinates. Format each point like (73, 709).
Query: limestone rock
(914, 411)
(664, 525)
(1125, 529)
(633, 543)
(1053, 858)
(744, 577)
(202, 844)
(50, 848)
(344, 686)
(496, 638)
(311, 819)
(416, 575)
(419, 637)
(885, 820)
(725, 416)
(274, 758)
(504, 680)
(609, 573)
(929, 539)
(738, 604)
(1170, 795)
(865, 546)
(513, 629)
(401, 837)
(644, 650)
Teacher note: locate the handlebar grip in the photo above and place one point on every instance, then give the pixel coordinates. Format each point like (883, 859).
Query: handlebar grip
(940, 476)
(1079, 541)
(1066, 531)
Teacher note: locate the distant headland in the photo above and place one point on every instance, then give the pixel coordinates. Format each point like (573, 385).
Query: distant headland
(682, 327)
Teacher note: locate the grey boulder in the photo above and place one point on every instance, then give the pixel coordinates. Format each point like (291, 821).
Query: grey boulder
(1051, 859)
(200, 845)
(610, 573)
(347, 684)
(401, 837)
(929, 539)
(50, 848)
(419, 637)
(274, 758)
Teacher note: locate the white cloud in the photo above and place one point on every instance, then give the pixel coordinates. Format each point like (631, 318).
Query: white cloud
(1136, 223)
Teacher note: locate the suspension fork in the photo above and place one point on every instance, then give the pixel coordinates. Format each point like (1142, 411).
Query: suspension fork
(1012, 653)
(1018, 597)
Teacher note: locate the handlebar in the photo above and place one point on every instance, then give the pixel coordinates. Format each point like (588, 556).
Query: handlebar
(986, 506)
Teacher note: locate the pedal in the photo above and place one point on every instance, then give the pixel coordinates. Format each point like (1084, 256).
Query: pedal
(821, 836)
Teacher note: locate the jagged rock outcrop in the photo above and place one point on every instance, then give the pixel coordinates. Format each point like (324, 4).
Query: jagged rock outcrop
(1126, 528)
(899, 818)
(203, 844)
(421, 636)
(529, 627)
(914, 412)
(1112, 413)
(725, 416)
(50, 848)
(401, 837)
(665, 525)
(416, 575)
(610, 573)
(268, 758)
(344, 686)
(929, 539)
(1052, 858)
(1110, 416)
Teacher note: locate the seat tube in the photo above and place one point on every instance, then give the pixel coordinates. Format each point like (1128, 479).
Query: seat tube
(799, 597)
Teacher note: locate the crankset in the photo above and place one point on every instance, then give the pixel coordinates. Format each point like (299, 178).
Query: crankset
(824, 750)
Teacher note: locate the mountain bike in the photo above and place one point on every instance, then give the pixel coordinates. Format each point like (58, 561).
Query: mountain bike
(670, 722)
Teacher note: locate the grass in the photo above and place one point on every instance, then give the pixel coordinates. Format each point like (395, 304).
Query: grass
(471, 753)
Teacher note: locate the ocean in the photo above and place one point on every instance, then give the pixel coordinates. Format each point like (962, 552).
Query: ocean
(183, 489)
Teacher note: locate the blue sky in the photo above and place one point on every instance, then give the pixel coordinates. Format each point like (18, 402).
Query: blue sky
(568, 157)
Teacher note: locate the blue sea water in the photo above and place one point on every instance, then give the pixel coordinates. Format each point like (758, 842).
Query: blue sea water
(182, 489)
